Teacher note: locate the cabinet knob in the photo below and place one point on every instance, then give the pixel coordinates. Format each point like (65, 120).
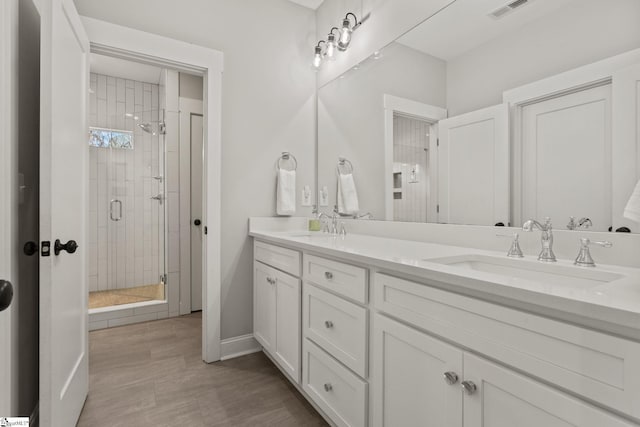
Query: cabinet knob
(469, 387)
(328, 275)
(451, 377)
(328, 324)
(328, 387)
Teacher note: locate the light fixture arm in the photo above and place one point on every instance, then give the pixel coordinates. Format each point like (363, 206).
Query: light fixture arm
(332, 30)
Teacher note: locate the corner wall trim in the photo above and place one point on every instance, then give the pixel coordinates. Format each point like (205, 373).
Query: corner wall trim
(238, 346)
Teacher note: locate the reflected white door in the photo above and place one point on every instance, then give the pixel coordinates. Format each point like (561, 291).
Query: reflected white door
(566, 158)
(473, 167)
(625, 141)
(63, 213)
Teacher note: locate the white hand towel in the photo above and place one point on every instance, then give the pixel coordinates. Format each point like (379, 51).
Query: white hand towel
(286, 192)
(632, 211)
(347, 195)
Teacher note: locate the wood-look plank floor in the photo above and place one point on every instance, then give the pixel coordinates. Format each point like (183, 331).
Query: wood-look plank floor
(152, 374)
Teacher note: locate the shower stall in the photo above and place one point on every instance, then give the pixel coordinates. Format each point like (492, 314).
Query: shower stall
(127, 193)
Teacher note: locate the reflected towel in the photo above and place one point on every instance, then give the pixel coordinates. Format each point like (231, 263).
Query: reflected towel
(286, 192)
(632, 210)
(347, 195)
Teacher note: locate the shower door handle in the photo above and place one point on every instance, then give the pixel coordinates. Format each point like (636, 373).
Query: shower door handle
(111, 210)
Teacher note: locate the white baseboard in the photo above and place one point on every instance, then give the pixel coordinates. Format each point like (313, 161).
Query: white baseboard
(238, 346)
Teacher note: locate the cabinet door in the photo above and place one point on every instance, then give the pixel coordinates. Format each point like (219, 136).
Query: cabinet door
(264, 306)
(504, 398)
(288, 318)
(408, 378)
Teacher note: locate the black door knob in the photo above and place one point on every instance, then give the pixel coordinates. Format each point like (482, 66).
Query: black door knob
(6, 294)
(197, 222)
(30, 248)
(70, 247)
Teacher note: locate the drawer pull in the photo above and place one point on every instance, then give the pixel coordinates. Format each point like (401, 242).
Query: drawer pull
(328, 324)
(328, 387)
(328, 275)
(271, 280)
(451, 378)
(469, 387)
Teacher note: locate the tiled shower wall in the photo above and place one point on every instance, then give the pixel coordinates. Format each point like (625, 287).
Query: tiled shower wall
(410, 148)
(129, 252)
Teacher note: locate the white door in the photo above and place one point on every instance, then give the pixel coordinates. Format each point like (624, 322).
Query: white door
(288, 306)
(63, 212)
(264, 305)
(197, 153)
(473, 167)
(409, 387)
(625, 141)
(572, 129)
(8, 201)
(504, 398)
(192, 158)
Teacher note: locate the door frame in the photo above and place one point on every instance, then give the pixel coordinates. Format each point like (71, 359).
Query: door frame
(127, 43)
(430, 113)
(596, 74)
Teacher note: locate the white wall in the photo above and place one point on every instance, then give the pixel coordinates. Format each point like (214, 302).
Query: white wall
(389, 20)
(578, 34)
(351, 118)
(268, 106)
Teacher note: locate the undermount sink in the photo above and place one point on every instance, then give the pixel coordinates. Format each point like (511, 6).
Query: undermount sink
(549, 274)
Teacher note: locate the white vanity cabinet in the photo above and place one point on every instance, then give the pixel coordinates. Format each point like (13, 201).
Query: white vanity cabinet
(276, 314)
(371, 348)
(408, 378)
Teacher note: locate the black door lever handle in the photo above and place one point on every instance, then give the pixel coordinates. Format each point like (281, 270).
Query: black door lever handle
(6, 294)
(71, 246)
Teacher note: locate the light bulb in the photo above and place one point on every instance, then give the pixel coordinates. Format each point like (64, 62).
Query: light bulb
(345, 35)
(317, 57)
(330, 51)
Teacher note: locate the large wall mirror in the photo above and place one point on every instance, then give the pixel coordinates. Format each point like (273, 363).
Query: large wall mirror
(491, 113)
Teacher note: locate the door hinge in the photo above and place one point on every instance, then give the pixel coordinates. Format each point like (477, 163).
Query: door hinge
(163, 279)
(438, 208)
(46, 248)
(438, 142)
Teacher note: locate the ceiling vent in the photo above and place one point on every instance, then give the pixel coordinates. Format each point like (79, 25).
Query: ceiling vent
(508, 8)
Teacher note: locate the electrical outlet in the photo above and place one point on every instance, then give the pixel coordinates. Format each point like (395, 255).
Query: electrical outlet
(324, 196)
(306, 196)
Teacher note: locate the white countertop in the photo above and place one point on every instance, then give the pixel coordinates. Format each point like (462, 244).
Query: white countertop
(617, 302)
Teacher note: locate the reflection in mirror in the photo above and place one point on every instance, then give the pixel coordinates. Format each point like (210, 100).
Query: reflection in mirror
(484, 115)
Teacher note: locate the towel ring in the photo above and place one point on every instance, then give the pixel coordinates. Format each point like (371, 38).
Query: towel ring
(343, 162)
(285, 157)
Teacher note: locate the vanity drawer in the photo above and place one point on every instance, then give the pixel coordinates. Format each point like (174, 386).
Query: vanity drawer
(283, 259)
(344, 279)
(598, 366)
(339, 392)
(336, 325)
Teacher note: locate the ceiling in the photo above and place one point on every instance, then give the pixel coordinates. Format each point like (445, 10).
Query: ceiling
(466, 24)
(311, 4)
(124, 69)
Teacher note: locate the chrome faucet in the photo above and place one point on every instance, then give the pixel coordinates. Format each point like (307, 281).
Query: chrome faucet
(546, 254)
(333, 227)
(581, 223)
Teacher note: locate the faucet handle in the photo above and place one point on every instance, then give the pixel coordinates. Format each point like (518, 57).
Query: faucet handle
(584, 258)
(514, 250)
(343, 230)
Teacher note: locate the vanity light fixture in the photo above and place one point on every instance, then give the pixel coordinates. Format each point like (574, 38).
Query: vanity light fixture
(338, 41)
(317, 57)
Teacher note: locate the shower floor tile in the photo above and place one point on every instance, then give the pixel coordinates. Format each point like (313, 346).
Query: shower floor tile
(126, 296)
